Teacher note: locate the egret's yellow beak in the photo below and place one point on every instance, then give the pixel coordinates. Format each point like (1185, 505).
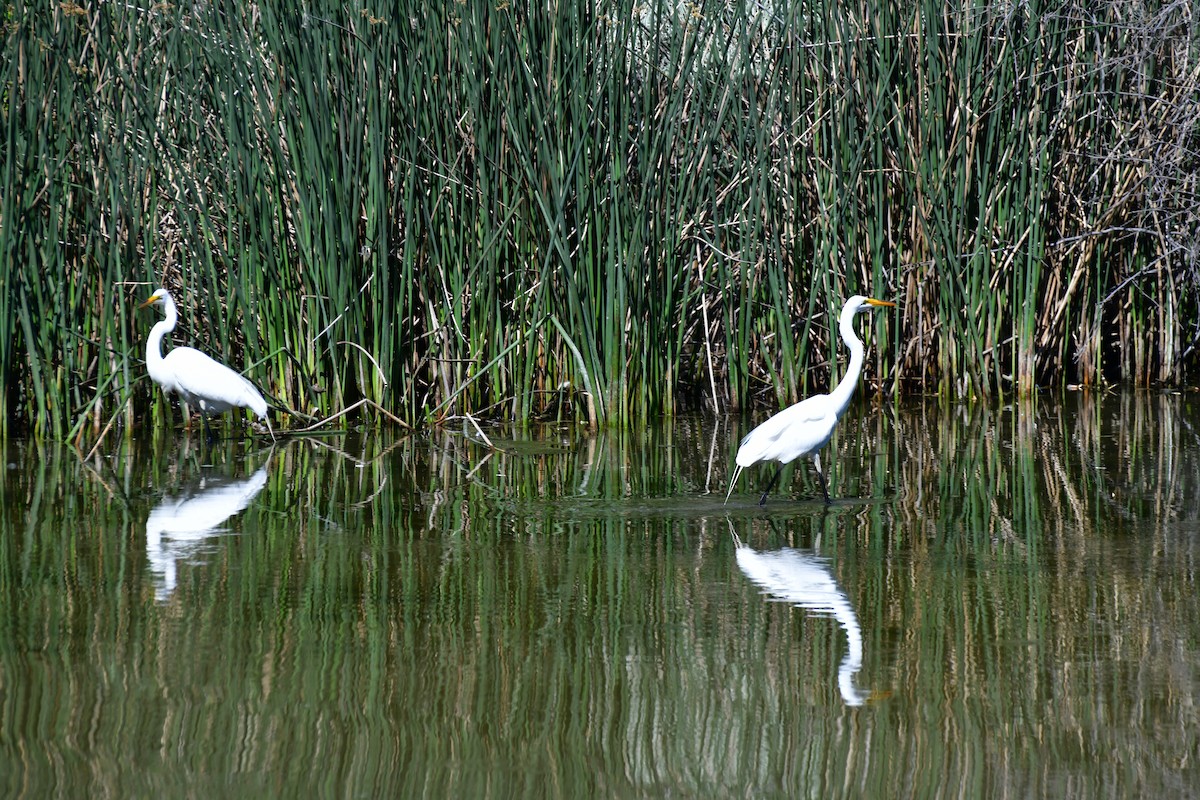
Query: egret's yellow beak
(149, 302)
(881, 303)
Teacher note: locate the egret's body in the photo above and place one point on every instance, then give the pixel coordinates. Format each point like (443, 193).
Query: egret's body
(804, 428)
(200, 381)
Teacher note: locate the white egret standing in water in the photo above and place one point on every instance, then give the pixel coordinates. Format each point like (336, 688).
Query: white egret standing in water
(804, 428)
(200, 381)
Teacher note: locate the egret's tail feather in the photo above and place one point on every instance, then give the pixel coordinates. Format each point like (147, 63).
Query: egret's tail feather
(736, 473)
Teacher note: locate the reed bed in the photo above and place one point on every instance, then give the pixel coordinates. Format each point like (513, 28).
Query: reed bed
(594, 212)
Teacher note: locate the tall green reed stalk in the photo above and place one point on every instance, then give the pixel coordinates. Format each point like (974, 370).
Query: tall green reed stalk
(598, 213)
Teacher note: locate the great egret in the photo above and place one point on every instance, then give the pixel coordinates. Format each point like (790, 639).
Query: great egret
(804, 428)
(200, 381)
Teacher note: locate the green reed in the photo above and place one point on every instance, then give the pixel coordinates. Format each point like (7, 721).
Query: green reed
(599, 213)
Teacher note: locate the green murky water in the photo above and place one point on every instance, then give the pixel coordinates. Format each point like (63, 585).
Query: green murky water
(1007, 604)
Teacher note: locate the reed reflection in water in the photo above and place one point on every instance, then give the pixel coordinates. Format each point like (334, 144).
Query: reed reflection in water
(564, 614)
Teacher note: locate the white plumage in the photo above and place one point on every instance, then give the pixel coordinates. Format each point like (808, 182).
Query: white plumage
(804, 428)
(200, 381)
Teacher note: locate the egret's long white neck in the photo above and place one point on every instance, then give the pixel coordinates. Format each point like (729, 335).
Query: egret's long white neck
(845, 389)
(154, 358)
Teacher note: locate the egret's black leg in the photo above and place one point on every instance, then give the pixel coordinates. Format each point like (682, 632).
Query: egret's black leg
(208, 434)
(762, 501)
(821, 477)
(824, 488)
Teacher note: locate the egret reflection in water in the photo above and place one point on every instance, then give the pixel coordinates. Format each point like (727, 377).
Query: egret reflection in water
(805, 580)
(178, 526)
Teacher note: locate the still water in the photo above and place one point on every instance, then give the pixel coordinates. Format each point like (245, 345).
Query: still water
(1000, 602)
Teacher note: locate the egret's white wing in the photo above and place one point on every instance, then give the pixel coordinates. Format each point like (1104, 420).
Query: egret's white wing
(201, 378)
(796, 431)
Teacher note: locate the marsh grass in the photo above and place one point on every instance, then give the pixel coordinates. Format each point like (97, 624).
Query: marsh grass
(601, 213)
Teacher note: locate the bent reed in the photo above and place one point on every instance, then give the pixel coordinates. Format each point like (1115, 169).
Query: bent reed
(593, 211)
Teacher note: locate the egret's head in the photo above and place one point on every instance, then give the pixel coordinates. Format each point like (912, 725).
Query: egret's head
(156, 299)
(863, 304)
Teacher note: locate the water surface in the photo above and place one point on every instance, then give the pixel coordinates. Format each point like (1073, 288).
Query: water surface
(999, 602)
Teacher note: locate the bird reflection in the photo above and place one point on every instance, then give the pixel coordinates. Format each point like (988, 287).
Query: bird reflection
(805, 580)
(178, 526)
